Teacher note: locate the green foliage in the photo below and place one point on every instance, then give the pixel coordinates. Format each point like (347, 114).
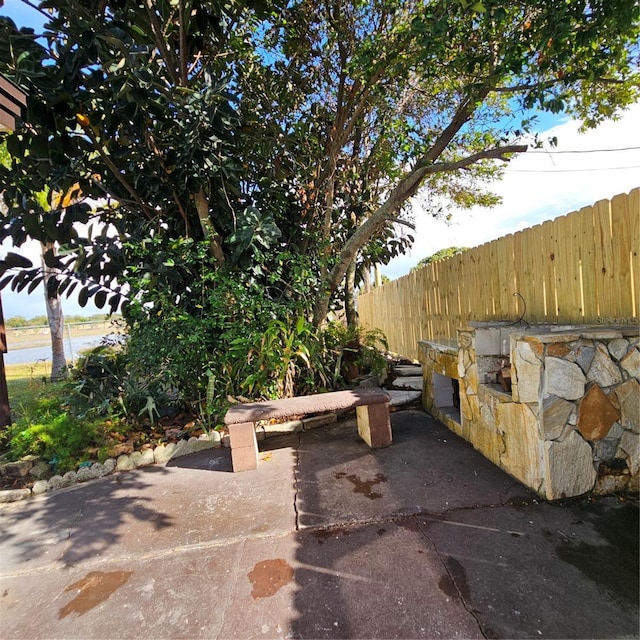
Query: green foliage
(153, 133)
(257, 129)
(278, 358)
(5, 158)
(442, 254)
(241, 336)
(50, 432)
(104, 386)
(351, 351)
(246, 155)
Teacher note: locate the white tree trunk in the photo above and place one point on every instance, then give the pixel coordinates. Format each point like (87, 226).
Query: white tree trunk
(59, 369)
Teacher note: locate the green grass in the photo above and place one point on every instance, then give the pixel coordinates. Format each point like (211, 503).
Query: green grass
(24, 383)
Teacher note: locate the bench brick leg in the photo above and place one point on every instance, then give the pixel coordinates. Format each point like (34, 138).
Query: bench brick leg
(244, 446)
(374, 425)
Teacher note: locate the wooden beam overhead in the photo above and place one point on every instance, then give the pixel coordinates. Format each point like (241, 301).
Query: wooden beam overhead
(12, 102)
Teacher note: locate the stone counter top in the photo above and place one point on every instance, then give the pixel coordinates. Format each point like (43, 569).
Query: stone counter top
(588, 334)
(571, 424)
(444, 345)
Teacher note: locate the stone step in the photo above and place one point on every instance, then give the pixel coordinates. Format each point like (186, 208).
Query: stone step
(408, 370)
(409, 382)
(400, 398)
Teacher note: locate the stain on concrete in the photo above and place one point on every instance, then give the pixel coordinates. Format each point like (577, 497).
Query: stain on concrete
(445, 584)
(455, 585)
(363, 487)
(269, 576)
(458, 578)
(94, 589)
(612, 565)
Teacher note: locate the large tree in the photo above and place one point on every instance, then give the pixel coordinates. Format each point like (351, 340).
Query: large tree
(284, 129)
(129, 106)
(385, 98)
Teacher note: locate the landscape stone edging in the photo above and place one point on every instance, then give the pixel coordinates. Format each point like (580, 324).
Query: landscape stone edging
(162, 453)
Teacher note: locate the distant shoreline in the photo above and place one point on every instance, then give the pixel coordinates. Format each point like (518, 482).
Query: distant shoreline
(29, 345)
(32, 337)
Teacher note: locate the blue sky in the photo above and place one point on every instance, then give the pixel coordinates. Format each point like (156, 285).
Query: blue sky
(536, 187)
(22, 14)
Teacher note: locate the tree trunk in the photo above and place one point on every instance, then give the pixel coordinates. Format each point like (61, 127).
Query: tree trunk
(59, 369)
(378, 276)
(210, 234)
(5, 411)
(349, 295)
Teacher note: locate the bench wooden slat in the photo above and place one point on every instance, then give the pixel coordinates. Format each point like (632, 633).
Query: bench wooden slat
(372, 413)
(318, 403)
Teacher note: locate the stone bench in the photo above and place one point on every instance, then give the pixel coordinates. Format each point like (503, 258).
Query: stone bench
(372, 411)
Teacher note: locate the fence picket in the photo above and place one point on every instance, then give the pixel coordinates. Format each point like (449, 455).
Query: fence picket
(578, 268)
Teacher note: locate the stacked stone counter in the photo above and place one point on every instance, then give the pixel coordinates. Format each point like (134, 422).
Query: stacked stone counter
(570, 423)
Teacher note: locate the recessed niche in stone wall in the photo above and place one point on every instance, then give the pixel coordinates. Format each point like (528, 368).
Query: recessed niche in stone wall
(446, 396)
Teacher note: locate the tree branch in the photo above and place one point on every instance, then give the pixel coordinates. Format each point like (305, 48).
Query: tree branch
(525, 87)
(498, 153)
(389, 209)
(183, 43)
(210, 234)
(117, 174)
(160, 43)
(37, 8)
(392, 218)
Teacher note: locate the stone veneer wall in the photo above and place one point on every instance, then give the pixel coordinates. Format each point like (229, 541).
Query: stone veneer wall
(571, 423)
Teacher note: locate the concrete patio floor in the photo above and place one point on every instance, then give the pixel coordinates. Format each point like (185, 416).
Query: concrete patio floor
(326, 539)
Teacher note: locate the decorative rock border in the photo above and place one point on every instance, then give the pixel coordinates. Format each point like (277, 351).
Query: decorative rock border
(159, 455)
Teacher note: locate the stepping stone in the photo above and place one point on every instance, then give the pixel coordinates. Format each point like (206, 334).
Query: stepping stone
(409, 382)
(408, 370)
(400, 398)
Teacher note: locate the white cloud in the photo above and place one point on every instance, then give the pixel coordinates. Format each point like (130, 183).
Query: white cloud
(538, 187)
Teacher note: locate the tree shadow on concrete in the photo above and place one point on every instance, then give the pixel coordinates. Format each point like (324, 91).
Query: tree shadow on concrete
(428, 538)
(365, 569)
(80, 523)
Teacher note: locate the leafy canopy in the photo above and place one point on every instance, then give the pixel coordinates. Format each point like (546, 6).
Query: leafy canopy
(279, 141)
(442, 254)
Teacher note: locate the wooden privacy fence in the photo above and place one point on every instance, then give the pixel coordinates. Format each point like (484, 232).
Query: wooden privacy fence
(579, 268)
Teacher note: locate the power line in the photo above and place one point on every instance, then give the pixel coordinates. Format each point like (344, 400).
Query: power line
(584, 150)
(570, 170)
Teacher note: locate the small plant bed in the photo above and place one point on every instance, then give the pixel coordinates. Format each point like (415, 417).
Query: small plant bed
(164, 390)
(31, 455)
(49, 438)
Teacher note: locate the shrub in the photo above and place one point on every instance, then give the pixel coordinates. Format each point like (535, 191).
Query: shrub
(351, 351)
(50, 432)
(104, 385)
